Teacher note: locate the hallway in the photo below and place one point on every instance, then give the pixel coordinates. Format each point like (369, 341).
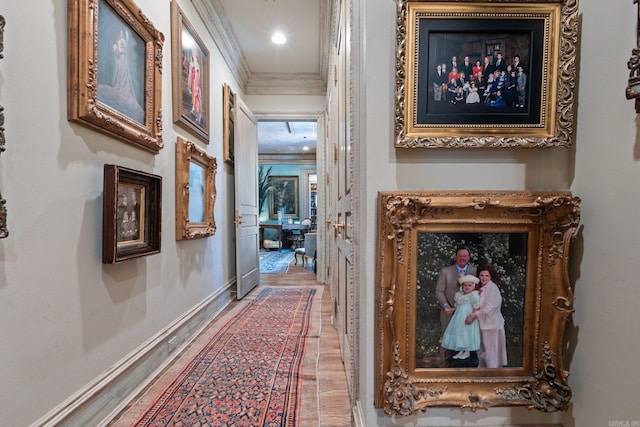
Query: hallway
(333, 395)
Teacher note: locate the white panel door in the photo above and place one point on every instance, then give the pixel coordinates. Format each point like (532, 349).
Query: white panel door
(246, 195)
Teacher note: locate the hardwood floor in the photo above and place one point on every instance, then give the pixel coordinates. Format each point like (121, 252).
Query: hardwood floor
(333, 395)
(335, 406)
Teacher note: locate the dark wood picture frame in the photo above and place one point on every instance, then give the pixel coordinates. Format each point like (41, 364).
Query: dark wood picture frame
(190, 76)
(131, 214)
(228, 123)
(195, 191)
(430, 33)
(285, 194)
(115, 71)
(537, 380)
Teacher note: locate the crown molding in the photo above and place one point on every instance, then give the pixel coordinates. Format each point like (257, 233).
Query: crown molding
(286, 84)
(215, 20)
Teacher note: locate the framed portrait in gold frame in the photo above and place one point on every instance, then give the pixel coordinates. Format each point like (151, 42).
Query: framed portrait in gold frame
(485, 74)
(525, 237)
(115, 71)
(195, 191)
(190, 76)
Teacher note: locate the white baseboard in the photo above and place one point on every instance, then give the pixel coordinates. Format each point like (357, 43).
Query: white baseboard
(99, 401)
(358, 415)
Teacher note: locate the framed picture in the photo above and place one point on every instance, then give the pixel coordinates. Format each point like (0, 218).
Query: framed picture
(228, 122)
(131, 214)
(115, 71)
(513, 250)
(283, 199)
(190, 66)
(195, 191)
(485, 74)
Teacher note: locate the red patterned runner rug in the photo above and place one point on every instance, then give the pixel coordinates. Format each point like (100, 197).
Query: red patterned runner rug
(248, 374)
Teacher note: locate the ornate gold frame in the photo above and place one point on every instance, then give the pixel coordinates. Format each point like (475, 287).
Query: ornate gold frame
(549, 219)
(228, 123)
(550, 126)
(188, 154)
(185, 119)
(83, 77)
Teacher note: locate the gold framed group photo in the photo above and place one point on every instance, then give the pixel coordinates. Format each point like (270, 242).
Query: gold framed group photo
(429, 351)
(115, 71)
(485, 74)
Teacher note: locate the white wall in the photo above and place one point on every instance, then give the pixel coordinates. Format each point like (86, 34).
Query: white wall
(65, 316)
(602, 169)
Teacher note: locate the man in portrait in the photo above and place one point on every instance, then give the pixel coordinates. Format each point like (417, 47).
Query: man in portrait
(446, 287)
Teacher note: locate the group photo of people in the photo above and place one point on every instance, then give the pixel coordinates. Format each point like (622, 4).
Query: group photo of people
(470, 300)
(472, 73)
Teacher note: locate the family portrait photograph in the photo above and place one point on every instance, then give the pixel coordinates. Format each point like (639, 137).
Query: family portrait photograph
(470, 299)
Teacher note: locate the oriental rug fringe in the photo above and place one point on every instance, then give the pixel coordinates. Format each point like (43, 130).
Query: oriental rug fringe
(250, 372)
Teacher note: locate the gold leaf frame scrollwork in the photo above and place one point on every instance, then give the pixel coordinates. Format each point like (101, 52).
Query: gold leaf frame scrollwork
(94, 100)
(547, 120)
(549, 219)
(194, 167)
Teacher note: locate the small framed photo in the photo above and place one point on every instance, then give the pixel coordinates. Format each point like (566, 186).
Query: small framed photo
(190, 66)
(195, 191)
(228, 122)
(472, 298)
(284, 198)
(115, 71)
(485, 74)
(131, 214)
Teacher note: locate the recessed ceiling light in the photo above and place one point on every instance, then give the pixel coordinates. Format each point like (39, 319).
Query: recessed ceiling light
(278, 38)
(305, 148)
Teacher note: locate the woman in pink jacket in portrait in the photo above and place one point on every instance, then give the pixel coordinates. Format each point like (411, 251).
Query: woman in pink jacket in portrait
(493, 343)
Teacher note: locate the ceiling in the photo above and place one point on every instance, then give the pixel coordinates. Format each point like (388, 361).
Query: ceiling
(299, 67)
(287, 137)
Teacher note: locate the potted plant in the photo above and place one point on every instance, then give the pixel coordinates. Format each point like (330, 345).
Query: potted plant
(264, 186)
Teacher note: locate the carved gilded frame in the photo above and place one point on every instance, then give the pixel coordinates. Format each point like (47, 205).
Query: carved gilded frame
(549, 220)
(190, 76)
(195, 191)
(121, 98)
(547, 120)
(228, 124)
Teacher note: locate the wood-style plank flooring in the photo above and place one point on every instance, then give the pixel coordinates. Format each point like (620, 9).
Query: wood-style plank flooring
(334, 401)
(335, 405)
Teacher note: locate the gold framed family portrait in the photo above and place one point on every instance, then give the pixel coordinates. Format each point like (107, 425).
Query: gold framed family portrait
(485, 74)
(512, 250)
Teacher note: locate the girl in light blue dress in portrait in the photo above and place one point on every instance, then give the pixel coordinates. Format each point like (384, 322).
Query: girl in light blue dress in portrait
(459, 336)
